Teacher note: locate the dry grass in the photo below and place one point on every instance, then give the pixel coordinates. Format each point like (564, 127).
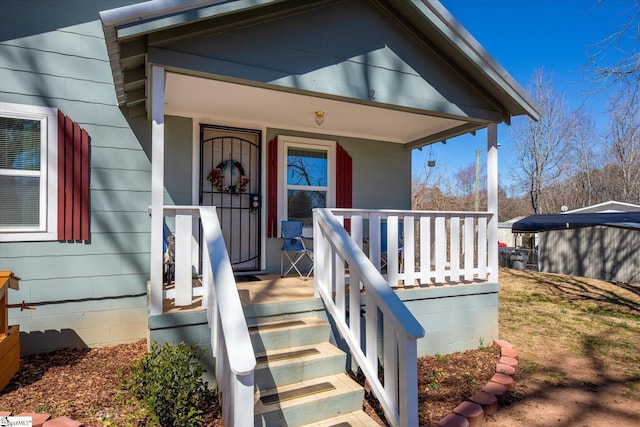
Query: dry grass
(542, 313)
(579, 342)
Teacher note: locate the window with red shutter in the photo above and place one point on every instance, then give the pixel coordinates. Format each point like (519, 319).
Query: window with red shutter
(44, 175)
(303, 174)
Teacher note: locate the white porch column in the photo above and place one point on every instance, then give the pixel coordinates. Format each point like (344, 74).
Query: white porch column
(492, 200)
(157, 188)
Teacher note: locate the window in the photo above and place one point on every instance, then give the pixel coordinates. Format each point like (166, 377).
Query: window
(44, 175)
(28, 163)
(303, 174)
(307, 182)
(307, 179)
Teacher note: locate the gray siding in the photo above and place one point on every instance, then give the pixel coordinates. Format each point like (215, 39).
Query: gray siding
(346, 49)
(605, 253)
(86, 294)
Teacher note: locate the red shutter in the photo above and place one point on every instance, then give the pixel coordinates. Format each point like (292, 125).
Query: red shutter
(344, 181)
(272, 188)
(73, 180)
(344, 178)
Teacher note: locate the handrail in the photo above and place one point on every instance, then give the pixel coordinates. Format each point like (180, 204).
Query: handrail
(230, 338)
(389, 302)
(334, 248)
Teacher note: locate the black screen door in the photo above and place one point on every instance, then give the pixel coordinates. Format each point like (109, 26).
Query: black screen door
(230, 180)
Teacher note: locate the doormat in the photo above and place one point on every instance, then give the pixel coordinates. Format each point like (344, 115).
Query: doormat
(247, 278)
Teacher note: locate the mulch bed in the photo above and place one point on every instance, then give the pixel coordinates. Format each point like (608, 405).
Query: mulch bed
(83, 384)
(444, 381)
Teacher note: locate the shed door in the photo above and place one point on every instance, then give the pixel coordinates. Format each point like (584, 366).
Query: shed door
(230, 180)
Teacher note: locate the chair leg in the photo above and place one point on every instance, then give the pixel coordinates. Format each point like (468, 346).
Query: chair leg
(293, 264)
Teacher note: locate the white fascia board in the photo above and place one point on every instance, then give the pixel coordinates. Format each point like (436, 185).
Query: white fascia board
(440, 17)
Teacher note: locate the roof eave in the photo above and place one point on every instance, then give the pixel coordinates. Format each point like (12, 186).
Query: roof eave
(453, 37)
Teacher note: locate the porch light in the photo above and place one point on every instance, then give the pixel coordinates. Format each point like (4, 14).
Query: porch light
(319, 117)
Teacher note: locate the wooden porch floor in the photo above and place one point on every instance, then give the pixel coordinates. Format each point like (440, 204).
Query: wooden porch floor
(266, 289)
(271, 288)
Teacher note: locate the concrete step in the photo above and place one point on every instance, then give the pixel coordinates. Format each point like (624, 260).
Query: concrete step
(296, 364)
(288, 333)
(354, 419)
(307, 402)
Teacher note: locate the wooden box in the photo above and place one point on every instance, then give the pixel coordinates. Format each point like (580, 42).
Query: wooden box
(9, 335)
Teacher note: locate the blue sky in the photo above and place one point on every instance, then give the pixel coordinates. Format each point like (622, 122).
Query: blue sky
(523, 36)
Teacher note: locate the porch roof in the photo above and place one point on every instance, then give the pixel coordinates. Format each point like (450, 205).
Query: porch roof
(131, 31)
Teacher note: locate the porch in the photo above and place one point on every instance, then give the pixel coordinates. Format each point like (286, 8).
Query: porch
(434, 248)
(274, 289)
(252, 289)
(441, 278)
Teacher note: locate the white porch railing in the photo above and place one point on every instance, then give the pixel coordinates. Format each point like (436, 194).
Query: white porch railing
(184, 220)
(334, 251)
(230, 342)
(431, 246)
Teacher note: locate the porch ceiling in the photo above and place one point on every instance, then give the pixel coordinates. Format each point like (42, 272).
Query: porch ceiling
(236, 104)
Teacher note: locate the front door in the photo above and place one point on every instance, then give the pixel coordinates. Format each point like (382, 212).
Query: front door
(230, 180)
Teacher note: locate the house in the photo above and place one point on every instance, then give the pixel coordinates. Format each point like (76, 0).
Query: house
(194, 118)
(598, 241)
(506, 236)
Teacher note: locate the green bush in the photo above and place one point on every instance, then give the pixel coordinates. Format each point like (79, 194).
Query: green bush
(168, 382)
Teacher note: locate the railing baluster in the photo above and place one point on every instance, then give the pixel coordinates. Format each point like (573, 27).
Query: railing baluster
(425, 250)
(454, 248)
(408, 375)
(482, 248)
(184, 292)
(371, 322)
(441, 248)
(390, 364)
(392, 250)
(374, 240)
(355, 286)
(469, 247)
(409, 251)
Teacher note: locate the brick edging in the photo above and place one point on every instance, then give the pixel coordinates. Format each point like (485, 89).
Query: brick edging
(471, 412)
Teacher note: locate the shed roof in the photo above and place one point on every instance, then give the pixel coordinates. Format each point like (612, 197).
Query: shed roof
(547, 222)
(607, 207)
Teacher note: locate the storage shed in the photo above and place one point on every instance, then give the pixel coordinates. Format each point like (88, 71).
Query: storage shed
(598, 245)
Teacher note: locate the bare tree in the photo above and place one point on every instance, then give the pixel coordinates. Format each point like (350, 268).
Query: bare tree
(425, 191)
(512, 207)
(623, 142)
(432, 191)
(616, 58)
(542, 147)
(585, 145)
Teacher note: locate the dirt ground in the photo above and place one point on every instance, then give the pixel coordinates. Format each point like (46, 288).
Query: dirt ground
(579, 346)
(578, 340)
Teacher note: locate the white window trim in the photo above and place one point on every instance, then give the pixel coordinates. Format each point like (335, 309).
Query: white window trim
(48, 227)
(309, 143)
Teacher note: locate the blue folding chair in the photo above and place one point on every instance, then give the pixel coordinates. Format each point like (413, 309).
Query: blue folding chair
(294, 251)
